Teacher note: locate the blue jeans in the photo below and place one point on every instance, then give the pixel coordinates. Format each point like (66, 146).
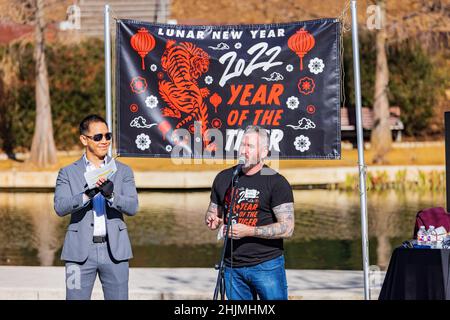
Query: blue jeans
(266, 280)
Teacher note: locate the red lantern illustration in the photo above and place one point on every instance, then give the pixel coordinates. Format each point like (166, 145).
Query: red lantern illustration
(142, 42)
(215, 100)
(301, 43)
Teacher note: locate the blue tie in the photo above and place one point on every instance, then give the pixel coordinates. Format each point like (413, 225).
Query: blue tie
(98, 204)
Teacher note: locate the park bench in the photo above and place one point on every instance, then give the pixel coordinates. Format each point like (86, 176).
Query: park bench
(348, 123)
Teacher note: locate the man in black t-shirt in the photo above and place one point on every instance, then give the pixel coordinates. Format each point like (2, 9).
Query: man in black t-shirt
(263, 215)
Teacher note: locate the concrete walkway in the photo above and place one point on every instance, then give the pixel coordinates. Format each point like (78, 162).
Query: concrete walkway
(47, 283)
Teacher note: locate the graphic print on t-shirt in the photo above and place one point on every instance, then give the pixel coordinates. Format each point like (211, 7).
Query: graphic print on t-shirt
(246, 206)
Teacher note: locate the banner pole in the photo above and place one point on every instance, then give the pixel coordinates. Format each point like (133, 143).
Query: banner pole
(361, 164)
(107, 39)
(447, 157)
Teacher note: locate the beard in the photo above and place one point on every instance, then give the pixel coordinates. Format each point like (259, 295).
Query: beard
(251, 163)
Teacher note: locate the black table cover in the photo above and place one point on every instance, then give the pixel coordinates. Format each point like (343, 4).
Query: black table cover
(417, 274)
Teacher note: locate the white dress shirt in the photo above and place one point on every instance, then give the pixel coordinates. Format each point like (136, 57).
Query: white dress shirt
(99, 217)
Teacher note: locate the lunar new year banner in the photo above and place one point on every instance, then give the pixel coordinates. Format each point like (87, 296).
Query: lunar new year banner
(176, 84)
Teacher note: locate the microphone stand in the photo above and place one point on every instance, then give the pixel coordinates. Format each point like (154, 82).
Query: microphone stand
(220, 283)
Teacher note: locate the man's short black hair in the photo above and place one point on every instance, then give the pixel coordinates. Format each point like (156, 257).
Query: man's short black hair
(84, 124)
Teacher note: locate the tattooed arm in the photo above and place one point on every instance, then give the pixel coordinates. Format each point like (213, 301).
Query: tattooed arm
(283, 228)
(213, 216)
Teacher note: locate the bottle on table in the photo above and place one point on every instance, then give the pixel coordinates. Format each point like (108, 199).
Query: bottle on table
(432, 237)
(422, 236)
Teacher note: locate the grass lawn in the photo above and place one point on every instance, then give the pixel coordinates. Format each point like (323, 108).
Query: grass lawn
(434, 155)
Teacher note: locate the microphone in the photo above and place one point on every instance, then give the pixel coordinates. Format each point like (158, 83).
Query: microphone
(238, 168)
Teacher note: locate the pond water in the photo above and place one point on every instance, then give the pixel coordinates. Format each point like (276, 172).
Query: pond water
(169, 231)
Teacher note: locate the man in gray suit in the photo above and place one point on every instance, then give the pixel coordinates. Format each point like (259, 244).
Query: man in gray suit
(96, 239)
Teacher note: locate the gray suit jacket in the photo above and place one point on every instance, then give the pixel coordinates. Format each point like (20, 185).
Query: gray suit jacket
(70, 186)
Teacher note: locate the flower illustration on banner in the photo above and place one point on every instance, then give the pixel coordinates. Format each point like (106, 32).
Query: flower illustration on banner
(134, 107)
(238, 45)
(216, 123)
(311, 109)
(143, 141)
(151, 102)
(138, 85)
(208, 79)
(306, 85)
(292, 103)
(289, 68)
(168, 148)
(302, 143)
(316, 65)
(153, 67)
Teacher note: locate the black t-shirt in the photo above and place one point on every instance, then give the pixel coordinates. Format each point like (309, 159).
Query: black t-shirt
(255, 196)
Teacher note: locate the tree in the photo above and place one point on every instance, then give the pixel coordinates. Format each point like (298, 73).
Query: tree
(381, 138)
(423, 22)
(43, 149)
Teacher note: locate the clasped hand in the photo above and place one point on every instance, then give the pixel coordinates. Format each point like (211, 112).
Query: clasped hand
(105, 187)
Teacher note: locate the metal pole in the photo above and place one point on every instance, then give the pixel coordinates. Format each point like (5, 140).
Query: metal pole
(361, 164)
(108, 73)
(447, 157)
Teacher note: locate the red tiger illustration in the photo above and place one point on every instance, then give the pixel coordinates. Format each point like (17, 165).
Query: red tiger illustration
(184, 63)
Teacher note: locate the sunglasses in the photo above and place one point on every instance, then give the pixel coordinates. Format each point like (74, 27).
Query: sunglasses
(99, 136)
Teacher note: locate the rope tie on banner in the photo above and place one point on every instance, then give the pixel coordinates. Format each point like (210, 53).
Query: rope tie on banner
(345, 27)
(344, 18)
(114, 14)
(113, 71)
(112, 33)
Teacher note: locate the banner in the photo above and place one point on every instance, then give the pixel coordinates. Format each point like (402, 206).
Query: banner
(190, 91)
